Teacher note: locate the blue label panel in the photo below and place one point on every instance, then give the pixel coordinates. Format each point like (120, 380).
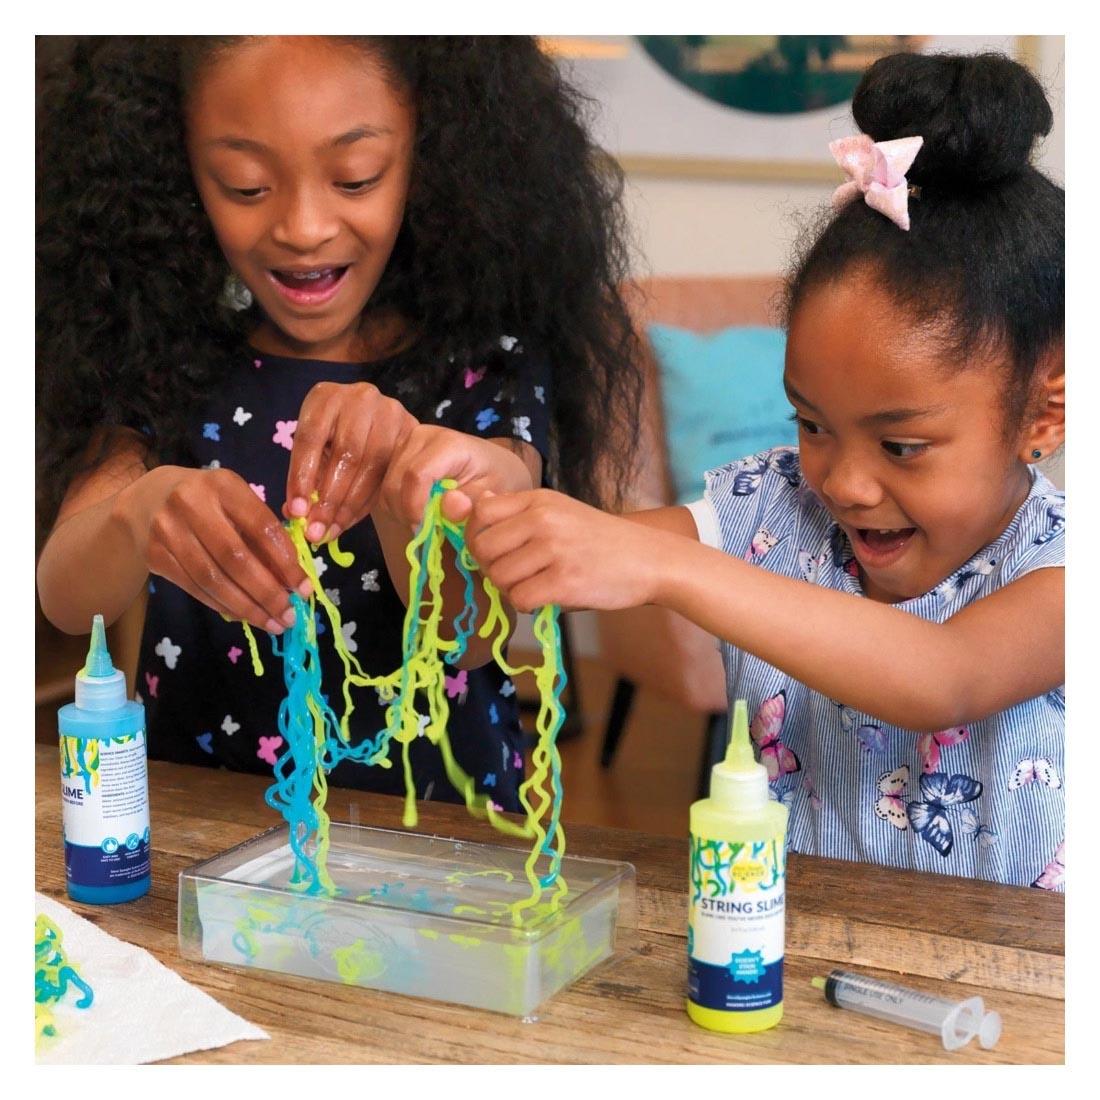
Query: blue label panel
(740, 986)
(117, 861)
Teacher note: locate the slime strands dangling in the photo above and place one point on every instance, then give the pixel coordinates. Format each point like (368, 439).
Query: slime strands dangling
(545, 759)
(422, 666)
(53, 974)
(549, 677)
(316, 740)
(353, 671)
(300, 787)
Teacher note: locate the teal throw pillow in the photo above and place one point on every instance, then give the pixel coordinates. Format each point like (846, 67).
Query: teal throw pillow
(723, 398)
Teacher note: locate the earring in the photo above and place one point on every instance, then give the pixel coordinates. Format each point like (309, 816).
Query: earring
(1036, 454)
(235, 295)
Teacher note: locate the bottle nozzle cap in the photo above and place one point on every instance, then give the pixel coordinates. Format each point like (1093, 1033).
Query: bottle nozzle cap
(98, 663)
(739, 754)
(99, 685)
(739, 780)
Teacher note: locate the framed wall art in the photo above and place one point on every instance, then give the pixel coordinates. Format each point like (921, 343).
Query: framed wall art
(738, 106)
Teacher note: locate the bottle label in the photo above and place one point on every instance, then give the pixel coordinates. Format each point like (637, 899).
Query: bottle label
(736, 922)
(105, 809)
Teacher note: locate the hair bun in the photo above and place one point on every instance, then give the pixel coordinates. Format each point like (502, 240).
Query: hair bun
(979, 115)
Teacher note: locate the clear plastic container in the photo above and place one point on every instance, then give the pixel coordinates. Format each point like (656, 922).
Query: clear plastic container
(421, 915)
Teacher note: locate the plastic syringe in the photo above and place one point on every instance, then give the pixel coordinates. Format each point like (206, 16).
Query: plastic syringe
(956, 1022)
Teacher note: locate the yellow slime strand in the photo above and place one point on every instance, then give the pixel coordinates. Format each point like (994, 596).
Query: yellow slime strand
(253, 649)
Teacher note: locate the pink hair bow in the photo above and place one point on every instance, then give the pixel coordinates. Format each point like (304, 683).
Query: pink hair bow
(876, 169)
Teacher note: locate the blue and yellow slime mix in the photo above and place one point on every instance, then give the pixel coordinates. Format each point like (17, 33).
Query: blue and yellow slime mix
(317, 739)
(53, 974)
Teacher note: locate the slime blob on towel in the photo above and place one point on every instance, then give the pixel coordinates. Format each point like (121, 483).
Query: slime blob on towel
(53, 974)
(317, 740)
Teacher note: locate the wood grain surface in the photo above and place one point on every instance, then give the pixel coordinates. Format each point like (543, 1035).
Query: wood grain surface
(945, 935)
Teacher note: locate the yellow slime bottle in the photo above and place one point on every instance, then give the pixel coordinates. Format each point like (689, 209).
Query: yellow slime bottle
(738, 880)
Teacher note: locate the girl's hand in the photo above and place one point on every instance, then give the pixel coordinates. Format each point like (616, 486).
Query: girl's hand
(343, 445)
(207, 532)
(478, 465)
(542, 547)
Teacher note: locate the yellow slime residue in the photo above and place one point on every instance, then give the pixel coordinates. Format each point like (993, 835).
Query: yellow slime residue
(356, 963)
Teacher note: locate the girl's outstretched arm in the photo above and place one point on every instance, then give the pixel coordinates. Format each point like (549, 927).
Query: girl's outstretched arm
(541, 547)
(204, 530)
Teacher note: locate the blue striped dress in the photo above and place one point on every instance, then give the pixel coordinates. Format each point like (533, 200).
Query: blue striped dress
(982, 801)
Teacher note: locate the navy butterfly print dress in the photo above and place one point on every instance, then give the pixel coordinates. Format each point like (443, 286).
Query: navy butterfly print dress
(203, 703)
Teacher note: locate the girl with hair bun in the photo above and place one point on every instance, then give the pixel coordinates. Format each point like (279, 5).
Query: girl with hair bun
(890, 593)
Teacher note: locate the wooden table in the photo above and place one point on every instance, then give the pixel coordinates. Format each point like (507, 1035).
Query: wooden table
(1004, 943)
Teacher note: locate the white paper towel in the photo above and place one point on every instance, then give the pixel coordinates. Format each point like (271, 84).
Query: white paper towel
(142, 1011)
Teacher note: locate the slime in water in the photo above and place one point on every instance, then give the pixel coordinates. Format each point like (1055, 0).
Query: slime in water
(317, 740)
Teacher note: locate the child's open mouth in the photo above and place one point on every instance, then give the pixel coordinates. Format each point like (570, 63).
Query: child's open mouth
(880, 547)
(309, 287)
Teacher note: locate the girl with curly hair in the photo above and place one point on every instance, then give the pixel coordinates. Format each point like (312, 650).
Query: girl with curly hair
(312, 275)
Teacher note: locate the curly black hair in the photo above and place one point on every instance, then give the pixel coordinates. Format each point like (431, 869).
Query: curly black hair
(513, 224)
(984, 256)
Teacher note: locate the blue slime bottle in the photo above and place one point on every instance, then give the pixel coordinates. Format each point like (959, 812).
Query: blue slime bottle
(104, 784)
